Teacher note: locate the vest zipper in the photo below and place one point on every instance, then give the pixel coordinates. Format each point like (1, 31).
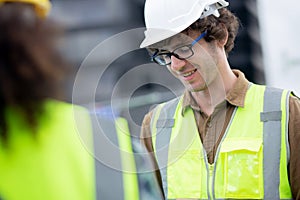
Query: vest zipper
(210, 176)
(210, 185)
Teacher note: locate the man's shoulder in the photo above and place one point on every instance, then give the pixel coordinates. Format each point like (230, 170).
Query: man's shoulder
(294, 100)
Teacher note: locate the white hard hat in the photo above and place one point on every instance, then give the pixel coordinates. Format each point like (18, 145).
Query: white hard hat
(165, 18)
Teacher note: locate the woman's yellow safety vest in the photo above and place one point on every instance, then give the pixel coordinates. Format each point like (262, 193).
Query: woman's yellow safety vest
(53, 165)
(251, 160)
(123, 169)
(116, 176)
(66, 158)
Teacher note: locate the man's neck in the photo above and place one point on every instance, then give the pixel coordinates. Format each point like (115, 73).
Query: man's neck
(207, 100)
(214, 94)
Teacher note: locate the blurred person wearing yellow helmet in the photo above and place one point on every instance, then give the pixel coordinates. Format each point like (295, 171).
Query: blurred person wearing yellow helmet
(50, 149)
(41, 155)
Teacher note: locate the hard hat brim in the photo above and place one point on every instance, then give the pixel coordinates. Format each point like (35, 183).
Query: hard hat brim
(153, 36)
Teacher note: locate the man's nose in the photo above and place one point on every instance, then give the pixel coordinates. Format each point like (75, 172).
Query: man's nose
(177, 64)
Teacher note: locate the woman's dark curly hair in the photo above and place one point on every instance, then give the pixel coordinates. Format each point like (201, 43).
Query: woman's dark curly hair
(31, 67)
(218, 27)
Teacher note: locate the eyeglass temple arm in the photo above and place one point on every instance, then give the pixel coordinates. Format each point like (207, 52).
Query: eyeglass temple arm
(152, 57)
(199, 38)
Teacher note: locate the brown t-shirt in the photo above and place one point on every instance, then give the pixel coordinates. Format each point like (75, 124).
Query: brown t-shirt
(212, 128)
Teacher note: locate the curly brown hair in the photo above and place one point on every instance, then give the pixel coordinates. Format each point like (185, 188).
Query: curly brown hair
(218, 27)
(31, 67)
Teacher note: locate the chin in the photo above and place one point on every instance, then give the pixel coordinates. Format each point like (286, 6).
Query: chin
(196, 89)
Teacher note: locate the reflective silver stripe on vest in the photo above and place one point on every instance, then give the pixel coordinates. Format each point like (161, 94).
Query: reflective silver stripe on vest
(271, 117)
(106, 177)
(164, 126)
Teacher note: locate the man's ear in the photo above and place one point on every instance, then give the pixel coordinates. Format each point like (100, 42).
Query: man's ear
(223, 41)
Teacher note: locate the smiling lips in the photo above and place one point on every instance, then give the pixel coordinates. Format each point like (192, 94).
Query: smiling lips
(186, 75)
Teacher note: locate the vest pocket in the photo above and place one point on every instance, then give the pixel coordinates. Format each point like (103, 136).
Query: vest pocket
(239, 169)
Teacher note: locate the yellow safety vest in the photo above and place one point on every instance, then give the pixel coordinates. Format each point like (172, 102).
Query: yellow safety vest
(114, 160)
(54, 165)
(64, 160)
(123, 170)
(251, 160)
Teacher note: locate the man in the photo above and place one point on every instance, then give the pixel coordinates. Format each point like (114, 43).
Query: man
(224, 138)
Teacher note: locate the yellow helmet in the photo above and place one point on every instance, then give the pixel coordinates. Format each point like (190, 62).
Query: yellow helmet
(42, 7)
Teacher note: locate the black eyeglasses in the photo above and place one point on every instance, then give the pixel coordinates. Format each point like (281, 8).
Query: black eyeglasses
(182, 53)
